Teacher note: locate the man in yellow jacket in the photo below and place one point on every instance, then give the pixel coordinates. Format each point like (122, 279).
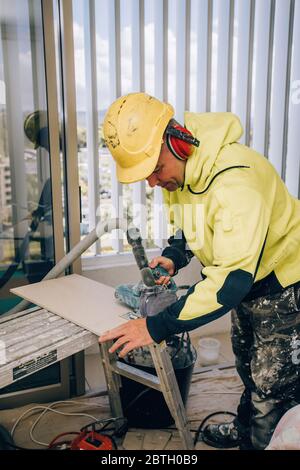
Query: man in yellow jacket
(230, 210)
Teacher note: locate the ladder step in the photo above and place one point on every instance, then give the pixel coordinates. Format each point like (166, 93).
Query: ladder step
(138, 375)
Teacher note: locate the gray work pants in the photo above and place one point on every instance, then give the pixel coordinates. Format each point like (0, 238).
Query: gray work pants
(266, 343)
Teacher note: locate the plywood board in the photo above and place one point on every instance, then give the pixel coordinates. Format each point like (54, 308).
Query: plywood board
(87, 303)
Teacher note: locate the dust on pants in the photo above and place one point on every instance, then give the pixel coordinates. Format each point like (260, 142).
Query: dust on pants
(266, 343)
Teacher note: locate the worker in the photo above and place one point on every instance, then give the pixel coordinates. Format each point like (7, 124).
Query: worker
(250, 256)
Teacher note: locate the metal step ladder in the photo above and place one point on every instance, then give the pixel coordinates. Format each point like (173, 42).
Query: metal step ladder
(165, 382)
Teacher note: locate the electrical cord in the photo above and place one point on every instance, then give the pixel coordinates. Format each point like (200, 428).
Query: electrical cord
(54, 445)
(107, 422)
(45, 409)
(50, 408)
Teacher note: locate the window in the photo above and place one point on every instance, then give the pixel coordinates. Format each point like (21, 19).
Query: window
(201, 55)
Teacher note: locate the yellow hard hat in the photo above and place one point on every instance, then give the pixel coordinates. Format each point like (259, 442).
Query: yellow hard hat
(133, 129)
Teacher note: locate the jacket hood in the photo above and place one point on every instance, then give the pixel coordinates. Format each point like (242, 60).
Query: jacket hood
(214, 130)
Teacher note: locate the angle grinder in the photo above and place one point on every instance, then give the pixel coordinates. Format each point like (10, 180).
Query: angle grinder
(153, 297)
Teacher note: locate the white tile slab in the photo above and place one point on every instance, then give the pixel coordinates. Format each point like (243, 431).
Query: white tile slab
(87, 303)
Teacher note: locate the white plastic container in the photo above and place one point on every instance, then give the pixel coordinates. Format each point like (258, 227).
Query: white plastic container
(208, 351)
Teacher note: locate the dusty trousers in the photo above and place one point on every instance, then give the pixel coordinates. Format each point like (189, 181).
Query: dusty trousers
(266, 343)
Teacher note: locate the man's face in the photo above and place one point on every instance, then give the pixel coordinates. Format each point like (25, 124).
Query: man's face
(169, 171)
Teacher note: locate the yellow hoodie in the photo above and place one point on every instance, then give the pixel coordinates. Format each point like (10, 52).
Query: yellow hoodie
(237, 217)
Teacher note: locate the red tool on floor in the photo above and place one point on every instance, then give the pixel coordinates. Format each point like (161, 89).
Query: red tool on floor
(91, 438)
(92, 441)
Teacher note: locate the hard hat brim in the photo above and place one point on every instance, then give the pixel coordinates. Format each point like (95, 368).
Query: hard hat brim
(139, 172)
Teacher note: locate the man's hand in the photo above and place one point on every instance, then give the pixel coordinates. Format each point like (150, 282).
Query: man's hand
(165, 263)
(134, 333)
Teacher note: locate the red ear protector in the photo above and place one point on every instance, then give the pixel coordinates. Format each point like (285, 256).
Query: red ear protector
(180, 141)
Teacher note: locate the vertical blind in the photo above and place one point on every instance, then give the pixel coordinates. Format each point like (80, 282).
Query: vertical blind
(200, 55)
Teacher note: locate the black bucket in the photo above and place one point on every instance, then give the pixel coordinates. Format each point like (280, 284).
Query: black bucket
(145, 407)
